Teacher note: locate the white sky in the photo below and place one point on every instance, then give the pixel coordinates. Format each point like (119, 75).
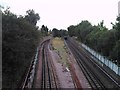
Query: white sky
(62, 13)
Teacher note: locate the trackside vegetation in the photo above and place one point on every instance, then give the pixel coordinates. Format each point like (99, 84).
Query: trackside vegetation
(99, 38)
(20, 38)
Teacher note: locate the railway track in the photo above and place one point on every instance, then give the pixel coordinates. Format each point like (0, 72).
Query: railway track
(48, 75)
(96, 77)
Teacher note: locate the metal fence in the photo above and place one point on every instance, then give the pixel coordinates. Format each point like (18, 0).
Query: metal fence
(103, 60)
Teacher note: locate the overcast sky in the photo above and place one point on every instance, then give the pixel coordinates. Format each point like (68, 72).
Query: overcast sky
(62, 13)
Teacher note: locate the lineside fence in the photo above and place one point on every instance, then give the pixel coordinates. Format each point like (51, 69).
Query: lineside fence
(103, 60)
(32, 72)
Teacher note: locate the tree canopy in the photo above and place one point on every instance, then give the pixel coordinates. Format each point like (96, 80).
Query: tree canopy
(44, 30)
(32, 17)
(99, 37)
(59, 33)
(20, 38)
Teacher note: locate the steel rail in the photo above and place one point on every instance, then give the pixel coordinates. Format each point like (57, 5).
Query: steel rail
(94, 82)
(48, 75)
(101, 71)
(87, 55)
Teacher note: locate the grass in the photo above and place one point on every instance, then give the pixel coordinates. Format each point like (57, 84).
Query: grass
(59, 47)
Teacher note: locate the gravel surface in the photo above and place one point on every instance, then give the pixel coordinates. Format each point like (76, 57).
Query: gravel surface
(38, 72)
(63, 74)
(83, 81)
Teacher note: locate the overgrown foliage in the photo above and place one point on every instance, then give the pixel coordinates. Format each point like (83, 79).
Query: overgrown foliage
(59, 33)
(32, 17)
(19, 42)
(102, 40)
(44, 30)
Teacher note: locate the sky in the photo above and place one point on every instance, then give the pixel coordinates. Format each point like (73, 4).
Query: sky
(61, 14)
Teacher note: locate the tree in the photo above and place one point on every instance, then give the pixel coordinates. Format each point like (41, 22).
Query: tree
(106, 42)
(115, 53)
(117, 28)
(63, 33)
(19, 41)
(84, 28)
(71, 30)
(32, 17)
(55, 32)
(44, 30)
(59, 33)
(99, 37)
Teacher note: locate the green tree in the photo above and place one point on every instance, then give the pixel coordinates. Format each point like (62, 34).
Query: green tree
(63, 33)
(99, 37)
(19, 42)
(106, 42)
(84, 28)
(115, 53)
(55, 32)
(44, 30)
(32, 17)
(71, 30)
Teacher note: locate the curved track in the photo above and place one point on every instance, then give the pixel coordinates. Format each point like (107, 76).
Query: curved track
(48, 74)
(96, 77)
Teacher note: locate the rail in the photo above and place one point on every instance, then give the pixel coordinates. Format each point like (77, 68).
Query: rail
(48, 75)
(89, 69)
